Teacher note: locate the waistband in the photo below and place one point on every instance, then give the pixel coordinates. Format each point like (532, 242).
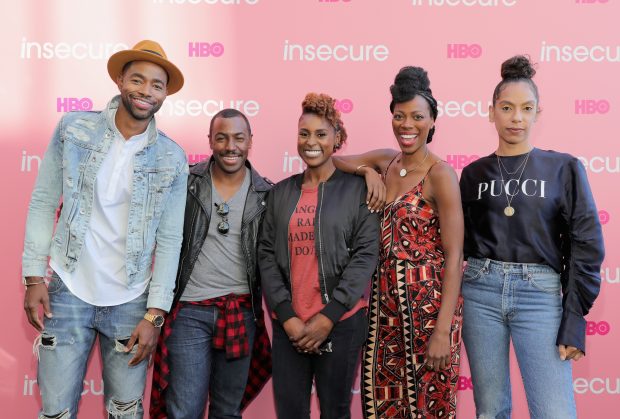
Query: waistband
(509, 267)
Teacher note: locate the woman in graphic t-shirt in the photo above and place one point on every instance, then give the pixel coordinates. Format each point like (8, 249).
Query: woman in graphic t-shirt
(534, 248)
(317, 251)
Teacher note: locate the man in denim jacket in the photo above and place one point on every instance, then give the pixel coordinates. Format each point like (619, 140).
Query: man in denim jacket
(115, 247)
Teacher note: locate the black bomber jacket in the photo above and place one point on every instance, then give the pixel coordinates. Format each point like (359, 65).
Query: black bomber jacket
(346, 240)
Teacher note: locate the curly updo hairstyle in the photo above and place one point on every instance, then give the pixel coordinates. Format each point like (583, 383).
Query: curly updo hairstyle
(516, 69)
(324, 106)
(409, 83)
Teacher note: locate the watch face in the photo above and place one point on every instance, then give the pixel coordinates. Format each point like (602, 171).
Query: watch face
(158, 321)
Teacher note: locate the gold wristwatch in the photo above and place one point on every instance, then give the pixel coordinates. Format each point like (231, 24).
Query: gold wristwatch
(156, 320)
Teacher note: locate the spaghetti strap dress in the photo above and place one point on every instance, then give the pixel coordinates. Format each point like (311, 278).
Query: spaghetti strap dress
(405, 301)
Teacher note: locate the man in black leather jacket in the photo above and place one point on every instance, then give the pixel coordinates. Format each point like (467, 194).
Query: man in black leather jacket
(217, 314)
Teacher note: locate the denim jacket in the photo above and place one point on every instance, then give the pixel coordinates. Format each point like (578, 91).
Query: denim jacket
(69, 170)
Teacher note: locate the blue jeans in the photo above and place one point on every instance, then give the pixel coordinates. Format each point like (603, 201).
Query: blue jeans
(197, 370)
(65, 346)
(522, 302)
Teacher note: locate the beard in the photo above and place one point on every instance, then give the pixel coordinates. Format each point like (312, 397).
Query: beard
(138, 114)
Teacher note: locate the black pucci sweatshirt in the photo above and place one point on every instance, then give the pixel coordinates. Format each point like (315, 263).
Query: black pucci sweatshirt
(555, 222)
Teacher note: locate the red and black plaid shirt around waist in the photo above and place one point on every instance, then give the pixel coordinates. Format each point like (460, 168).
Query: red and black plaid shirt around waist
(230, 335)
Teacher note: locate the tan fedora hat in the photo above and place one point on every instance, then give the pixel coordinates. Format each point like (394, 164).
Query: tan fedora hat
(146, 51)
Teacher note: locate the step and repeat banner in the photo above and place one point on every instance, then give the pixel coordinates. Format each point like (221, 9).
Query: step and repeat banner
(262, 57)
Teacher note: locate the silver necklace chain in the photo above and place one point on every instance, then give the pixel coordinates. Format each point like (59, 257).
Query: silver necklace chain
(509, 210)
(518, 167)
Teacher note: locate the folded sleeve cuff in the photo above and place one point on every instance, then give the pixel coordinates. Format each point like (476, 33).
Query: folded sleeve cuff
(334, 310)
(284, 311)
(34, 267)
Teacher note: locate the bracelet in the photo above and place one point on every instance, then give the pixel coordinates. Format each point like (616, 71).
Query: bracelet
(358, 168)
(27, 284)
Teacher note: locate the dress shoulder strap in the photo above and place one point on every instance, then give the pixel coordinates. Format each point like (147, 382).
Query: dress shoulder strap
(388, 166)
(421, 184)
(429, 169)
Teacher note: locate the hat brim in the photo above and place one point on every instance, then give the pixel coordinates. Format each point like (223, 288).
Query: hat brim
(118, 61)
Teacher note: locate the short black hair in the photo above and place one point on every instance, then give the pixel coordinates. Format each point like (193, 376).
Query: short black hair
(230, 113)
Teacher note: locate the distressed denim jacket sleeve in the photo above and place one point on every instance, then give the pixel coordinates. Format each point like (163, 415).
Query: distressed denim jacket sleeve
(42, 209)
(168, 239)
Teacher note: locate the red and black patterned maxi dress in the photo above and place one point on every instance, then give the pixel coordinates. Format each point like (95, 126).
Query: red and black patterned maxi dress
(406, 296)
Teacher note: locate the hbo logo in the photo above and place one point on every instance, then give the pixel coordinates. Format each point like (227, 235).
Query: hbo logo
(465, 384)
(464, 50)
(344, 105)
(459, 161)
(196, 158)
(600, 328)
(589, 106)
(204, 49)
(68, 104)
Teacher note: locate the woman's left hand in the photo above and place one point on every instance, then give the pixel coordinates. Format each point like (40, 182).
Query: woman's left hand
(316, 331)
(438, 352)
(570, 352)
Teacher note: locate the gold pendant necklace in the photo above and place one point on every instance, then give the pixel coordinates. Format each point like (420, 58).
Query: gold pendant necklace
(509, 210)
(404, 172)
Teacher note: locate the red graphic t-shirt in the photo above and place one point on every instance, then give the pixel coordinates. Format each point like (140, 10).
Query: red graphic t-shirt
(305, 285)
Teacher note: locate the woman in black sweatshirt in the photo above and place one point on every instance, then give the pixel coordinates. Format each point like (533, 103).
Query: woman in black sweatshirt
(534, 248)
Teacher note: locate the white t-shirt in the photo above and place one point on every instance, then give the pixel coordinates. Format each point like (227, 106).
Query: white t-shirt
(100, 276)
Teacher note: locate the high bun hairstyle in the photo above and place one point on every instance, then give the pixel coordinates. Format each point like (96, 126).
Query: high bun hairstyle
(516, 69)
(409, 83)
(324, 106)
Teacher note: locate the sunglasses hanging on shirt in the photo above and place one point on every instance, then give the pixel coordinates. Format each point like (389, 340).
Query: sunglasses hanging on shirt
(222, 210)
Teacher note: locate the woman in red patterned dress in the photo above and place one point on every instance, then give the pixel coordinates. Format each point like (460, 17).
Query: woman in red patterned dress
(411, 361)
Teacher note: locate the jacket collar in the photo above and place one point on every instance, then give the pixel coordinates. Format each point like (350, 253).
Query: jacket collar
(299, 178)
(110, 114)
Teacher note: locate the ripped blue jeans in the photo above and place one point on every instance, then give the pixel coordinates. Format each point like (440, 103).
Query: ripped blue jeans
(65, 346)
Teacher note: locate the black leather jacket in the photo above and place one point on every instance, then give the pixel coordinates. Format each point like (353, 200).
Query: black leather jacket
(346, 240)
(197, 217)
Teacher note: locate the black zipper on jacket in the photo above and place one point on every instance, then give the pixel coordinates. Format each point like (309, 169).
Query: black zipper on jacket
(251, 190)
(322, 274)
(201, 206)
(288, 249)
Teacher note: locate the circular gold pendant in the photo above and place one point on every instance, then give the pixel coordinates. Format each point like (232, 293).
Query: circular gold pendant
(509, 211)
(403, 172)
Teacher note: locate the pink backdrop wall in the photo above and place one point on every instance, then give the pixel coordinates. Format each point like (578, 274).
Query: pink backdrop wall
(262, 56)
